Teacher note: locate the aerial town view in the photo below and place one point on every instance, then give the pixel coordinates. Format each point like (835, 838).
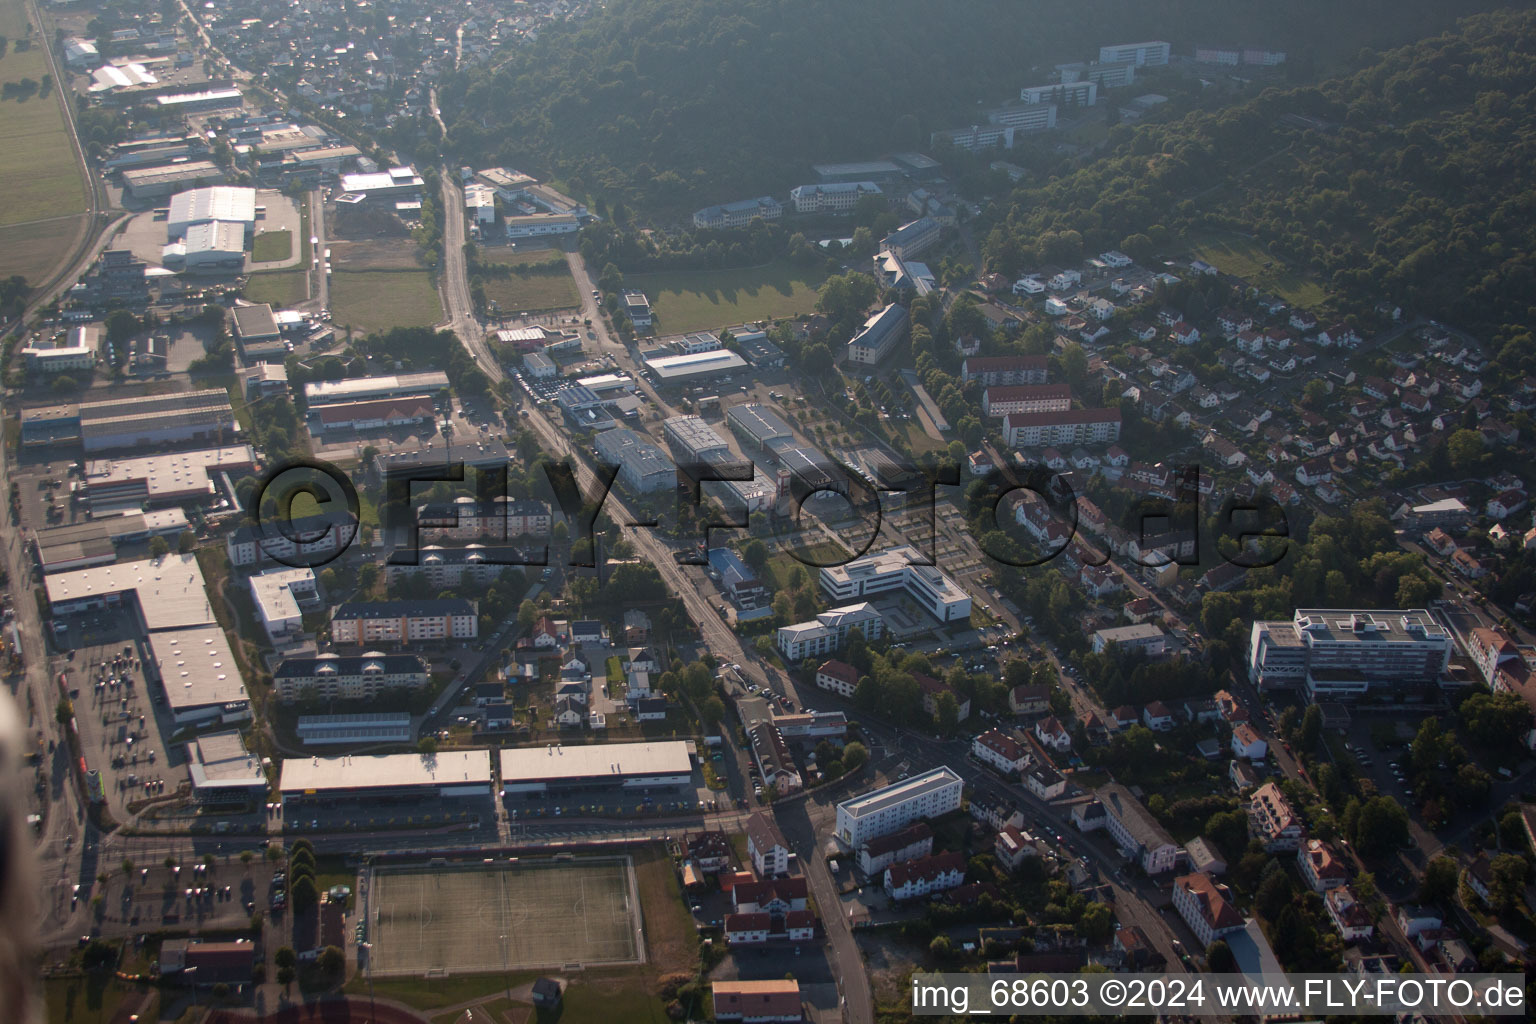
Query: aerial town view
(587, 511)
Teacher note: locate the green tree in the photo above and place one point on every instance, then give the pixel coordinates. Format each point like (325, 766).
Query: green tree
(427, 745)
(332, 960)
(1380, 827)
(1508, 872)
(1219, 958)
(285, 957)
(1441, 876)
(854, 755)
(712, 711)
(158, 548)
(304, 894)
(1095, 924)
(186, 542)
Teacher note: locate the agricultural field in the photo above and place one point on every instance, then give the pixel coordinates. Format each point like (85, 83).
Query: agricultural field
(1246, 258)
(707, 300)
(541, 289)
(42, 191)
(376, 300)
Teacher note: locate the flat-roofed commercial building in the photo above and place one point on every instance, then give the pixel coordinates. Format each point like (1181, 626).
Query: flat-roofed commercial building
(632, 767)
(340, 677)
(198, 672)
(158, 182)
(1341, 654)
(76, 352)
(255, 324)
(757, 424)
(151, 421)
(209, 246)
(447, 774)
(533, 225)
(277, 594)
(896, 569)
(1144, 637)
(172, 479)
(95, 541)
(693, 439)
(223, 771)
(393, 622)
(362, 389)
(883, 811)
(166, 593)
(677, 369)
(643, 467)
(373, 727)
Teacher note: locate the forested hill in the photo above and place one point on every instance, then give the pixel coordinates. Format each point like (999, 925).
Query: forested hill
(1413, 180)
(676, 102)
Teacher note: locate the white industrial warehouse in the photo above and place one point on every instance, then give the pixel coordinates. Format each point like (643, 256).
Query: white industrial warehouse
(216, 203)
(448, 773)
(631, 766)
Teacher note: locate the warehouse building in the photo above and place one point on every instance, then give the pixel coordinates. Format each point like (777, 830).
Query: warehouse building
(159, 182)
(363, 389)
(223, 771)
(630, 767)
(183, 103)
(695, 441)
(95, 541)
(391, 185)
(209, 247)
(197, 670)
(883, 811)
(165, 593)
(535, 225)
(643, 467)
(679, 369)
(255, 325)
(152, 421)
(757, 424)
(227, 203)
(369, 728)
(356, 778)
(337, 677)
(176, 478)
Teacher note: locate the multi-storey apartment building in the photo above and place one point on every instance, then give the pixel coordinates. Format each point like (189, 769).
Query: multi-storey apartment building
(1136, 831)
(829, 631)
(993, 371)
(1340, 654)
(334, 677)
(883, 811)
(468, 519)
(1143, 55)
(1014, 399)
(1060, 429)
(393, 622)
(1272, 820)
(1206, 906)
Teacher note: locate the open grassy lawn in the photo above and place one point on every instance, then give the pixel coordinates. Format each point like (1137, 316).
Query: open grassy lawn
(272, 245)
(97, 997)
(550, 287)
(376, 300)
(281, 288)
(707, 300)
(782, 564)
(1246, 258)
(671, 941)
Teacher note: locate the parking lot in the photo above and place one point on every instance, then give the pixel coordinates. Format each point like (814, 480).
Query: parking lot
(122, 728)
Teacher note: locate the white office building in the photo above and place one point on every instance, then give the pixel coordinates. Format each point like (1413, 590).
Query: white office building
(897, 569)
(1142, 55)
(277, 594)
(885, 810)
(1340, 654)
(829, 631)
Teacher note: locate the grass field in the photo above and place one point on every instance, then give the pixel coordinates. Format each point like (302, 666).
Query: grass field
(1246, 258)
(281, 288)
(503, 917)
(672, 942)
(708, 300)
(39, 177)
(376, 300)
(533, 291)
(272, 245)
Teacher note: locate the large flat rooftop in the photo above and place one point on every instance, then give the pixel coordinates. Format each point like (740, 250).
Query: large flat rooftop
(308, 775)
(197, 668)
(900, 792)
(559, 763)
(170, 590)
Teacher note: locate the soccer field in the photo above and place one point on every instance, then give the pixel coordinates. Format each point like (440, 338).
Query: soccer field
(513, 916)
